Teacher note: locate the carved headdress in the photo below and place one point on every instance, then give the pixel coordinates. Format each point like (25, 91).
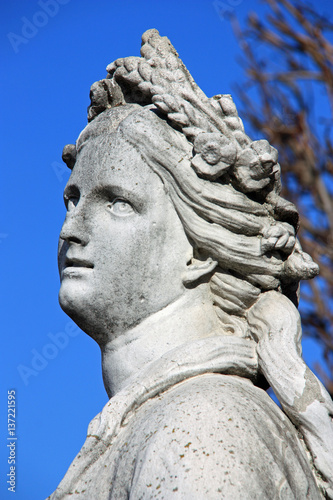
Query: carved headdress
(226, 190)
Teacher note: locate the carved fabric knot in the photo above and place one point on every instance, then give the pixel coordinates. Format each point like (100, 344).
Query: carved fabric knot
(215, 154)
(257, 166)
(280, 236)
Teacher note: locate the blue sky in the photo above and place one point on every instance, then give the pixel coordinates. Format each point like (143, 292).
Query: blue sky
(51, 56)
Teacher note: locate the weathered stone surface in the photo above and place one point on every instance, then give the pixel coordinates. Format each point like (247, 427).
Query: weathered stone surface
(180, 258)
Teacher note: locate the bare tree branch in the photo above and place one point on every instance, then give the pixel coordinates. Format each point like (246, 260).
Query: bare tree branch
(288, 60)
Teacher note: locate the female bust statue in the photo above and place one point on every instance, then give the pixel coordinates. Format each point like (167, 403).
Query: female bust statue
(179, 257)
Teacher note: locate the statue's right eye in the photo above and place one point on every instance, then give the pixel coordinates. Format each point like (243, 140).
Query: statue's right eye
(71, 202)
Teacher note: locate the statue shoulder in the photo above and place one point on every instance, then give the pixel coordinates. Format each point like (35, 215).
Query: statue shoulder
(216, 435)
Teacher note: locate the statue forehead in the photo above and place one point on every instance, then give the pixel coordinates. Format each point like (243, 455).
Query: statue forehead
(106, 155)
(106, 123)
(105, 152)
(141, 126)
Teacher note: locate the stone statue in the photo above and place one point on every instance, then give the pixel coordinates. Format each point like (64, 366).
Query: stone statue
(179, 257)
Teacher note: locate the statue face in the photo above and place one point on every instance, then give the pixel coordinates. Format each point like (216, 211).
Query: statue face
(122, 249)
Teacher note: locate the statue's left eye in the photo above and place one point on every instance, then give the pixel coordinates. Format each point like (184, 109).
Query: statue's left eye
(121, 207)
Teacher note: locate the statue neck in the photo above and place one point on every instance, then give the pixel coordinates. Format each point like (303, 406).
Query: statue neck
(189, 318)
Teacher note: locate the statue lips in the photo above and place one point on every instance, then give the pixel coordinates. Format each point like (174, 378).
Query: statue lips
(74, 267)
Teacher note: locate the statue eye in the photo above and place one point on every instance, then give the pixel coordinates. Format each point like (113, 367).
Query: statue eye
(71, 202)
(121, 207)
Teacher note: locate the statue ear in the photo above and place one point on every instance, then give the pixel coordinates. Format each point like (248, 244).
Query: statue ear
(197, 269)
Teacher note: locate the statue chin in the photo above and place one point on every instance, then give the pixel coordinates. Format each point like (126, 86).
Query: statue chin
(70, 305)
(70, 298)
(78, 310)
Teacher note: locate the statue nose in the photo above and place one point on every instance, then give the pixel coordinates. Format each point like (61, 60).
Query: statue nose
(74, 229)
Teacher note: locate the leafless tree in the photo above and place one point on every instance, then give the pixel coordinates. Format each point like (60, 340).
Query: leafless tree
(288, 98)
